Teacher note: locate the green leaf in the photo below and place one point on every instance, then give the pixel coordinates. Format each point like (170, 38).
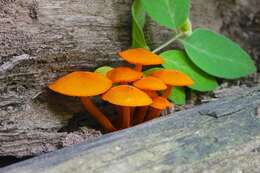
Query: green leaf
(103, 70)
(138, 21)
(149, 71)
(178, 60)
(218, 55)
(169, 13)
(178, 96)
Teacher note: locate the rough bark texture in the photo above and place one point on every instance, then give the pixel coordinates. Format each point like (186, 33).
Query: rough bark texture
(43, 39)
(221, 136)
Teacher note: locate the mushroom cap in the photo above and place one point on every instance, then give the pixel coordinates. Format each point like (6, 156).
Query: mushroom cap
(126, 95)
(150, 83)
(173, 77)
(81, 83)
(124, 74)
(141, 56)
(160, 103)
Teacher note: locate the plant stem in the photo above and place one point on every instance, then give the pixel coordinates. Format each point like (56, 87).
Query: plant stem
(176, 37)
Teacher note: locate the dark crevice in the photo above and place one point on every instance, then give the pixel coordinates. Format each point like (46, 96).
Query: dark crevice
(8, 160)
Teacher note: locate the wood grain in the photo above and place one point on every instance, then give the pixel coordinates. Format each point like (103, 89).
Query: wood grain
(189, 141)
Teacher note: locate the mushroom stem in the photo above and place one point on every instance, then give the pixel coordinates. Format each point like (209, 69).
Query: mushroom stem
(167, 92)
(138, 67)
(152, 94)
(141, 111)
(132, 115)
(140, 114)
(120, 115)
(126, 119)
(96, 113)
(154, 113)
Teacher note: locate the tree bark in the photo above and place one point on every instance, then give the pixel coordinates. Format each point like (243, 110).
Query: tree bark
(41, 40)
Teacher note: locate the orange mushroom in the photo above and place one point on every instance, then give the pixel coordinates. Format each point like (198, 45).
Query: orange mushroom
(172, 78)
(126, 96)
(123, 75)
(150, 85)
(159, 104)
(84, 85)
(140, 57)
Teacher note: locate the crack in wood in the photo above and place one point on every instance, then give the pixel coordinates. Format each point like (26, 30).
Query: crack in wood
(13, 62)
(217, 114)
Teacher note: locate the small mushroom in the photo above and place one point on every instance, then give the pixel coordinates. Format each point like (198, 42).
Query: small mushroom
(150, 85)
(140, 57)
(123, 75)
(84, 85)
(172, 78)
(159, 104)
(126, 96)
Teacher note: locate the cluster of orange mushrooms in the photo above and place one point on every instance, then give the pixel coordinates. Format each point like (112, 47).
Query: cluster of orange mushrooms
(137, 97)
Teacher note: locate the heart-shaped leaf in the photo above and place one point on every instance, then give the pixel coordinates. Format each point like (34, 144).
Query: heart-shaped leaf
(178, 96)
(218, 55)
(169, 13)
(138, 21)
(178, 60)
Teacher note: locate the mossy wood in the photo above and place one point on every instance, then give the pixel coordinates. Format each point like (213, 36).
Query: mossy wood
(42, 40)
(221, 136)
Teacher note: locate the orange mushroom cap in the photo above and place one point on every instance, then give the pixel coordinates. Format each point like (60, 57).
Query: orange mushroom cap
(126, 95)
(150, 83)
(173, 77)
(124, 74)
(160, 103)
(141, 56)
(81, 84)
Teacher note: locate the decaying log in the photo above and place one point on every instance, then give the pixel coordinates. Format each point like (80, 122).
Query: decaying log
(43, 39)
(221, 136)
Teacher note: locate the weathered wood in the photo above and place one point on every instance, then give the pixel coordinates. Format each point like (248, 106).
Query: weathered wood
(43, 39)
(189, 141)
